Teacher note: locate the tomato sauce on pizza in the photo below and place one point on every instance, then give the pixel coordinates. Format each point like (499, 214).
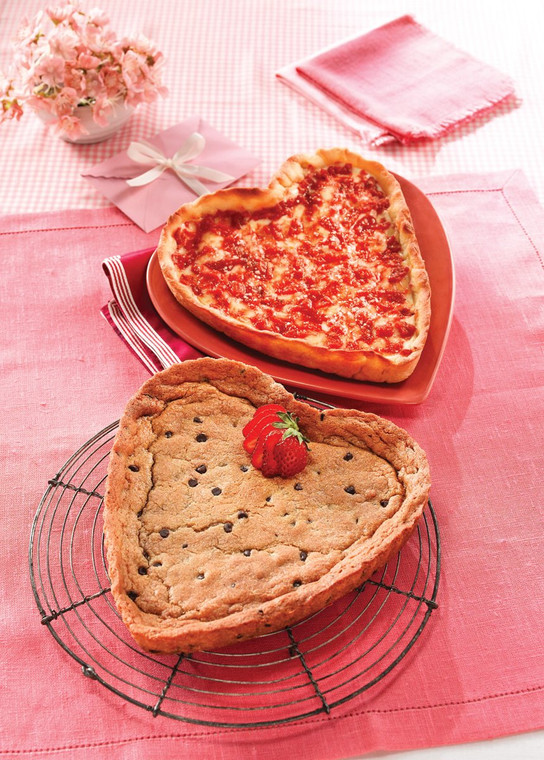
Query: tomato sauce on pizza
(324, 264)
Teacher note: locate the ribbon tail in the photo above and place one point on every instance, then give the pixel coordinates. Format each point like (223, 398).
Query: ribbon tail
(203, 171)
(193, 184)
(146, 177)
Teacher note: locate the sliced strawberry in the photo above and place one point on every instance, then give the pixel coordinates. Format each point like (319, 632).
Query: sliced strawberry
(265, 409)
(275, 443)
(264, 422)
(258, 451)
(257, 422)
(269, 465)
(291, 454)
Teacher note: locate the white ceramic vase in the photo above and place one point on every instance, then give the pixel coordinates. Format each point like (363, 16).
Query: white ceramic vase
(94, 132)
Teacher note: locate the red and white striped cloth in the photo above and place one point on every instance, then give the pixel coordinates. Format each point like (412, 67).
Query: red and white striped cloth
(133, 316)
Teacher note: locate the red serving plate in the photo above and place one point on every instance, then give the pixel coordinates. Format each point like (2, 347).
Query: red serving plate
(415, 389)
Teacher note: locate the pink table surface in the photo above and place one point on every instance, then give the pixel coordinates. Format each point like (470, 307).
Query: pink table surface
(477, 671)
(222, 56)
(66, 375)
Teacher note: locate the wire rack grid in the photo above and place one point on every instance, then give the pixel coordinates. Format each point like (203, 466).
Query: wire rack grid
(304, 670)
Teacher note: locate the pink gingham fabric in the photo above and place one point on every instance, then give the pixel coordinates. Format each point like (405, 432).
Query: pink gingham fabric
(476, 671)
(221, 63)
(403, 79)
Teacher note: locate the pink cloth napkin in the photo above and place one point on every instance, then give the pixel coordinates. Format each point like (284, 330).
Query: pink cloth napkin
(476, 671)
(401, 78)
(151, 204)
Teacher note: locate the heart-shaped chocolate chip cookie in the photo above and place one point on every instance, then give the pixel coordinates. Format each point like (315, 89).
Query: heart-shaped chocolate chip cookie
(203, 550)
(322, 268)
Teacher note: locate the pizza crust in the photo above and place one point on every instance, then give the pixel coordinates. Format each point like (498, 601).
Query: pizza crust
(365, 363)
(196, 568)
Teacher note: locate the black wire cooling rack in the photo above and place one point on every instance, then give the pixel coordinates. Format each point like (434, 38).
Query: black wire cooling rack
(304, 670)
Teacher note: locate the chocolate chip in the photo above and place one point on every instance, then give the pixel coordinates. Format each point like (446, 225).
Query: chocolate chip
(164, 533)
(348, 456)
(349, 489)
(192, 482)
(201, 469)
(384, 502)
(201, 437)
(247, 552)
(244, 468)
(140, 513)
(297, 583)
(132, 595)
(298, 486)
(227, 527)
(200, 576)
(157, 564)
(268, 498)
(142, 570)
(216, 491)
(303, 556)
(197, 420)
(134, 467)
(168, 434)
(241, 515)
(322, 416)
(184, 546)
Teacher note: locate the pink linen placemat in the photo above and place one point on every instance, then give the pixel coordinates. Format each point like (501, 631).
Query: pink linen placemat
(477, 670)
(401, 82)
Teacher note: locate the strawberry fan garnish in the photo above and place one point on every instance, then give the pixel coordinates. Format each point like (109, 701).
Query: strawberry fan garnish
(275, 442)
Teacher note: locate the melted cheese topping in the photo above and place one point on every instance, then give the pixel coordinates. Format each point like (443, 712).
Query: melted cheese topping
(324, 265)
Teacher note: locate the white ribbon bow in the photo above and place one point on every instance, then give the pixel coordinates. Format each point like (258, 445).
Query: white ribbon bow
(144, 153)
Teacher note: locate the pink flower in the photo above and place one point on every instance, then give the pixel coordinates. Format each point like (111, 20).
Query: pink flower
(10, 109)
(98, 17)
(75, 79)
(60, 14)
(87, 60)
(102, 108)
(67, 57)
(112, 82)
(49, 70)
(69, 124)
(66, 101)
(28, 31)
(65, 44)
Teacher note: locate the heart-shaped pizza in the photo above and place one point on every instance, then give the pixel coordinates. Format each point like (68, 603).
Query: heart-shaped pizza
(322, 268)
(233, 509)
